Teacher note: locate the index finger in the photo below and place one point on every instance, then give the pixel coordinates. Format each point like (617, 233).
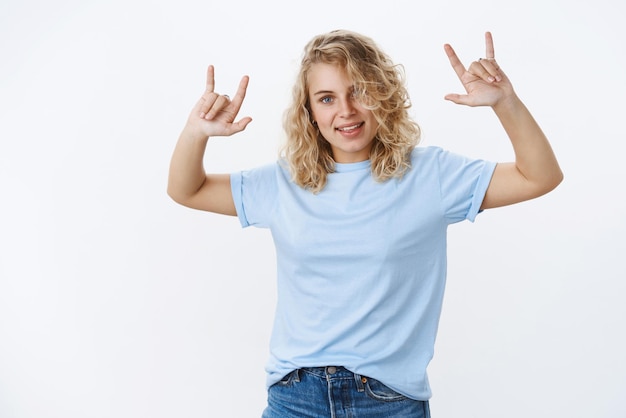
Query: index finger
(456, 63)
(237, 100)
(489, 51)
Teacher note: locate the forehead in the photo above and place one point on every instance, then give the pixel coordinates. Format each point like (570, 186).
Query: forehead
(328, 77)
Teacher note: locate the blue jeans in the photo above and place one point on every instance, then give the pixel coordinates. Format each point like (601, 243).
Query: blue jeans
(334, 392)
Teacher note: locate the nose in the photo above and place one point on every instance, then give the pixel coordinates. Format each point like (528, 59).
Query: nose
(347, 106)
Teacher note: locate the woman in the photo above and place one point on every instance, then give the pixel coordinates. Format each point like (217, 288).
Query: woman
(359, 215)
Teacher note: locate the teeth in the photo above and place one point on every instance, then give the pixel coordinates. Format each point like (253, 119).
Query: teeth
(350, 128)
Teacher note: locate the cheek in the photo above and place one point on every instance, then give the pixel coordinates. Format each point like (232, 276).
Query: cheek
(319, 116)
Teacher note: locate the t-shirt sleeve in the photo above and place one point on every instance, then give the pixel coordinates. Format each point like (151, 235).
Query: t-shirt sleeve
(464, 182)
(254, 194)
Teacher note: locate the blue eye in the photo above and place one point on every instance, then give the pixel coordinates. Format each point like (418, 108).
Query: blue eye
(326, 99)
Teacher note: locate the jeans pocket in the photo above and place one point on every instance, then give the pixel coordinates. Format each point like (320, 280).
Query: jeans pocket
(381, 392)
(288, 379)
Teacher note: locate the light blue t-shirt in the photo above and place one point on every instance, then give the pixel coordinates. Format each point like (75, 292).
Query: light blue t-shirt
(361, 265)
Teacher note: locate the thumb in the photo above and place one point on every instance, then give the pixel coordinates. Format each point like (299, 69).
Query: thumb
(238, 126)
(462, 99)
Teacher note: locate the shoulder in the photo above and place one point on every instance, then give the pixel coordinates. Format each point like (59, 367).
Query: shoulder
(269, 177)
(443, 166)
(426, 152)
(426, 158)
(444, 158)
(262, 172)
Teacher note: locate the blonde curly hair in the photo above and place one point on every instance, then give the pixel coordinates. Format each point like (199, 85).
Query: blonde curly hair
(380, 86)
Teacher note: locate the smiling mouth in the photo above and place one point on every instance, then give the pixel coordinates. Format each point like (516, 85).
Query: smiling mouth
(350, 128)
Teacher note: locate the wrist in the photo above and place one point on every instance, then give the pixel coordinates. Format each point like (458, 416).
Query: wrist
(194, 134)
(510, 103)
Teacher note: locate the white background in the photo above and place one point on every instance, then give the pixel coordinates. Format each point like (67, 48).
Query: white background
(116, 302)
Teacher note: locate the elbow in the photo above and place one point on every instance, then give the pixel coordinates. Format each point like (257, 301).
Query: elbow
(556, 179)
(171, 194)
(175, 195)
(550, 183)
(559, 179)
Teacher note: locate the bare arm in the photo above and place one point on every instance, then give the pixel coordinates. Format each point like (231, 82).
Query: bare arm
(535, 170)
(213, 115)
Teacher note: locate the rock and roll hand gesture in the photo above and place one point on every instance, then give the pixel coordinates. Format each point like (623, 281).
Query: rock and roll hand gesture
(484, 81)
(535, 170)
(214, 114)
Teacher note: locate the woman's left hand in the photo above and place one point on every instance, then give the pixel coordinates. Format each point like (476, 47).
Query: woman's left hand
(484, 81)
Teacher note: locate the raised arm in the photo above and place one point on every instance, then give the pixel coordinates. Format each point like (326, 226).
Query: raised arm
(535, 170)
(213, 115)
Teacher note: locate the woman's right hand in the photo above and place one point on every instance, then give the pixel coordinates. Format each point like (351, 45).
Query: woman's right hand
(214, 114)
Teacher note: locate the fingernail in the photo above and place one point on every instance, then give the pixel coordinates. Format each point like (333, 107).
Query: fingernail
(491, 79)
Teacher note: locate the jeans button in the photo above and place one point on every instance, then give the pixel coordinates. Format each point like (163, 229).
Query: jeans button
(331, 370)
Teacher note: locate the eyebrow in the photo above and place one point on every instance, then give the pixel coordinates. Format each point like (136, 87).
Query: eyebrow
(320, 92)
(323, 92)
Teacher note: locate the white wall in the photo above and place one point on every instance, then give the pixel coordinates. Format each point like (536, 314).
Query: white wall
(116, 302)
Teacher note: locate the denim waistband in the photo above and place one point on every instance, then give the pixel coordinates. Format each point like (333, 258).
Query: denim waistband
(330, 373)
(336, 391)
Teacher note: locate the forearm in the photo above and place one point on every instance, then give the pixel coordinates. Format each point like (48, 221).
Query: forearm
(534, 157)
(186, 172)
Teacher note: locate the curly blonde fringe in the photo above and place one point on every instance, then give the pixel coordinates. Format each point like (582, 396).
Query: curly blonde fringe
(380, 85)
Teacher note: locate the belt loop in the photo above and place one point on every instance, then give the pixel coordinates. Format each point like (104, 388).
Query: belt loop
(296, 375)
(359, 382)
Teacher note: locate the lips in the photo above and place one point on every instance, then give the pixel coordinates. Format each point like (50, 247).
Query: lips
(350, 128)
